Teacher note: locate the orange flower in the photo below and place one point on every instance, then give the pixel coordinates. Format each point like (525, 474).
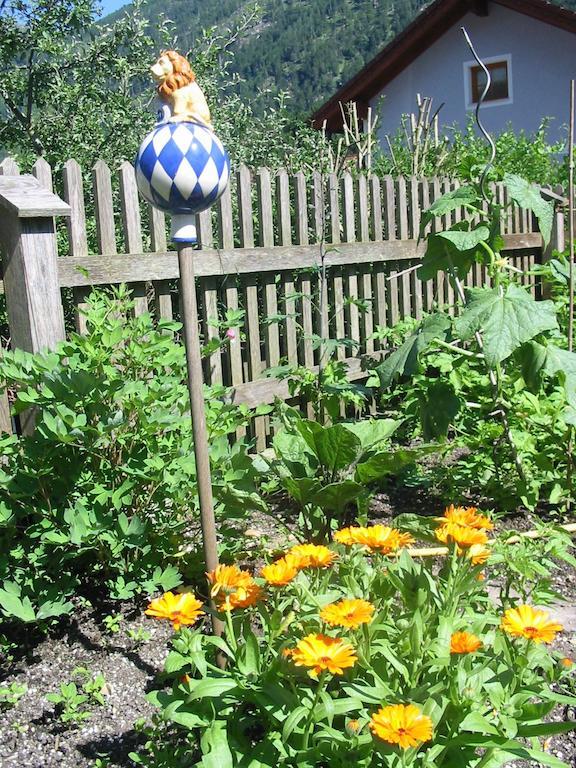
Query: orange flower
(321, 653)
(464, 642)
(311, 556)
(461, 535)
(347, 535)
(466, 516)
(228, 578)
(348, 613)
(243, 597)
(532, 623)
(353, 727)
(478, 554)
(281, 572)
(402, 724)
(382, 538)
(181, 610)
(566, 662)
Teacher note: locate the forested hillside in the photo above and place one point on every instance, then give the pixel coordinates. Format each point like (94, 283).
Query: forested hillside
(306, 47)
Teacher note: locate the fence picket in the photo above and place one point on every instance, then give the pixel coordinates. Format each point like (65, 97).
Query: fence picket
(403, 234)
(393, 286)
(132, 228)
(104, 208)
(365, 271)
(77, 237)
(349, 231)
(42, 171)
(158, 244)
(302, 238)
(415, 208)
(287, 287)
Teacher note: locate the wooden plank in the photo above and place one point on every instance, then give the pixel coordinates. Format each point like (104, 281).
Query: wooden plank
(226, 240)
(77, 236)
(26, 198)
(42, 171)
(405, 300)
(9, 167)
(162, 292)
(271, 331)
(351, 275)
(104, 208)
(265, 391)
(416, 284)
(377, 226)
(306, 350)
(390, 219)
(287, 287)
(130, 267)
(440, 279)
(366, 290)
(246, 224)
(448, 221)
(335, 276)
(132, 229)
(208, 289)
(428, 285)
(323, 303)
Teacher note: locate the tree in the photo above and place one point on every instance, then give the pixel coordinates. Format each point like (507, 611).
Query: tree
(74, 86)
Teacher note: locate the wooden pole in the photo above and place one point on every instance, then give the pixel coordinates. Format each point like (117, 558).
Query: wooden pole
(571, 221)
(197, 412)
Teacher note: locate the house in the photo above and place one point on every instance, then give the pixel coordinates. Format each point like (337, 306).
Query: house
(529, 47)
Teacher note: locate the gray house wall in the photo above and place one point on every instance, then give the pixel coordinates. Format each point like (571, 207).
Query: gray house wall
(543, 60)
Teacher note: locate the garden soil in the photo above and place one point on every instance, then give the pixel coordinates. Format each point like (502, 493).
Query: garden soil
(31, 734)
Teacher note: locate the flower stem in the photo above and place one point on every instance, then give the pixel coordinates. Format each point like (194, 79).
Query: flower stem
(230, 635)
(310, 718)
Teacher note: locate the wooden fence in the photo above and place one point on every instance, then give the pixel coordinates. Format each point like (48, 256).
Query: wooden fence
(260, 254)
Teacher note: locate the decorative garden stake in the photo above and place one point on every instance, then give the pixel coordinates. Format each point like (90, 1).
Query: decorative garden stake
(182, 169)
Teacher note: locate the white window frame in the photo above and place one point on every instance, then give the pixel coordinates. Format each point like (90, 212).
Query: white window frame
(468, 65)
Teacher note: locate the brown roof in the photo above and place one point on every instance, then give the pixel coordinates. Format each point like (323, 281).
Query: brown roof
(430, 24)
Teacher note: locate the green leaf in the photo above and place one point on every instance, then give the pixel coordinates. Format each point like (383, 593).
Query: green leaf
(466, 240)
(477, 723)
(174, 662)
(545, 729)
(211, 688)
(507, 320)
(336, 496)
(439, 405)
(528, 196)
(336, 447)
(465, 195)
(12, 605)
(215, 750)
(371, 432)
(404, 360)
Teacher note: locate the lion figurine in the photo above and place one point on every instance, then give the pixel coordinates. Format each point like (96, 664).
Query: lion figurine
(177, 87)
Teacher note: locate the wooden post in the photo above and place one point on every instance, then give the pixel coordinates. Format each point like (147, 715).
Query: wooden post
(31, 285)
(198, 414)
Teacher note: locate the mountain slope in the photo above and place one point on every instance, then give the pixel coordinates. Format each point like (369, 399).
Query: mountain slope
(306, 47)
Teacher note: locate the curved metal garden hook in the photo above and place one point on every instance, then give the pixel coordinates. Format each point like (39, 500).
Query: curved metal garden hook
(477, 115)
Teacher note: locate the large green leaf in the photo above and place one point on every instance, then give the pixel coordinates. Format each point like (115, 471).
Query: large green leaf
(528, 196)
(438, 407)
(466, 240)
(336, 496)
(449, 202)
(445, 255)
(13, 605)
(507, 319)
(372, 431)
(215, 750)
(389, 462)
(337, 447)
(404, 360)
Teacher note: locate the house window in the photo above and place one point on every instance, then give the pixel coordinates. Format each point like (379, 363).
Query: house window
(500, 91)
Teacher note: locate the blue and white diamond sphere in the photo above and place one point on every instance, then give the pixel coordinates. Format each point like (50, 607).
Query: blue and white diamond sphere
(182, 168)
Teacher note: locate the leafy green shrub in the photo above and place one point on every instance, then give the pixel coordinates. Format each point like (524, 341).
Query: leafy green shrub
(104, 489)
(497, 378)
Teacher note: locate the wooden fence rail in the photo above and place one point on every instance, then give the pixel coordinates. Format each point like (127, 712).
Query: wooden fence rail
(261, 245)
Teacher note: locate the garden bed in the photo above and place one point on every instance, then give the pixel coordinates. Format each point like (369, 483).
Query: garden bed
(129, 653)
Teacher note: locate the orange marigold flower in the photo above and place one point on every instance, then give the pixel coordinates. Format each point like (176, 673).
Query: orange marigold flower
(464, 642)
(281, 572)
(347, 536)
(478, 554)
(461, 535)
(467, 516)
(348, 613)
(566, 662)
(181, 610)
(382, 538)
(226, 579)
(243, 597)
(532, 623)
(311, 556)
(402, 724)
(321, 653)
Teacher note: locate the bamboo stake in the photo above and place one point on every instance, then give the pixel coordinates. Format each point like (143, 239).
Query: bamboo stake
(571, 222)
(197, 411)
(533, 534)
